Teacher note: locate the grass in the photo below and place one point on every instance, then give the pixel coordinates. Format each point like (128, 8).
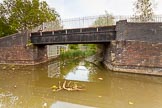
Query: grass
(73, 54)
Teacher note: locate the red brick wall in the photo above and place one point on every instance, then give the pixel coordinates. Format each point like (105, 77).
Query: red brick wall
(14, 50)
(137, 53)
(22, 55)
(16, 54)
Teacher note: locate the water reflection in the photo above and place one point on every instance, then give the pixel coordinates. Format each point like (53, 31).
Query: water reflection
(54, 70)
(30, 87)
(7, 100)
(81, 71)
(60, 104)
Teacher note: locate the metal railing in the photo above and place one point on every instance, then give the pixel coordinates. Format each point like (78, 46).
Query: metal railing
(90, 21)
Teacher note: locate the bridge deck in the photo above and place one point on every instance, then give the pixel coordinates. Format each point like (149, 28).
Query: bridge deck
(75, 36)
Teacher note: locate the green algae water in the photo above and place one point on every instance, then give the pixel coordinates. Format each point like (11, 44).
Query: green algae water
(30, 87)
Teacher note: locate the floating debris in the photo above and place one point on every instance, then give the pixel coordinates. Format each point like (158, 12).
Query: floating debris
(100, 78)
(130, 103)
(13, 68)
(4, 68)
(99, 96)
(45, 105)
(69, 86)
(54, 87)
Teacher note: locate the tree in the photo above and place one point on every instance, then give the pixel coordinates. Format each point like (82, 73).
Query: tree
(104, 20)
(26, 14)
(5, 29)
(144, 10)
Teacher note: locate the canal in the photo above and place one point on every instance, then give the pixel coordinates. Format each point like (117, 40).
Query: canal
(30, 87)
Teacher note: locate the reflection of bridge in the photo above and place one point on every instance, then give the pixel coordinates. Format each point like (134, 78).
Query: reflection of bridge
(71, 36)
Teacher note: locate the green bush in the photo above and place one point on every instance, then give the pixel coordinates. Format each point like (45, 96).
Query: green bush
(72, 54)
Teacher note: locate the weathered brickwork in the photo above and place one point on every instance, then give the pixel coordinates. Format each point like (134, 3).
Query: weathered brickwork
(14, 49)
(135, 56)
(136, 53)
(137, 48)
(17, 39)
(149, 32)
(19, 53)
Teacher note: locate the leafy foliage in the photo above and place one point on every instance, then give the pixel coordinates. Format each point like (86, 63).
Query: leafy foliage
(5, 29)
(76, 51)
(72, 54)
(74, 46)
(144, 10)
(21, 15)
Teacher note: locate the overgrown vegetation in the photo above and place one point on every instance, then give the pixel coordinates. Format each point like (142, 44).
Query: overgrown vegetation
(79, 51)
(74, 54)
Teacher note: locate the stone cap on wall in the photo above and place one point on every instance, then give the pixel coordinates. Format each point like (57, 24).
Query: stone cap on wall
(17, 39)
(143, 31)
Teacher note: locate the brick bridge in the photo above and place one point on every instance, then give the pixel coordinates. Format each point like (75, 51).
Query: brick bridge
(75, 36)
(128, 46)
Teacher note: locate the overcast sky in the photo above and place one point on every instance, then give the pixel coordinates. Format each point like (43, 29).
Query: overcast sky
(81, 8)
